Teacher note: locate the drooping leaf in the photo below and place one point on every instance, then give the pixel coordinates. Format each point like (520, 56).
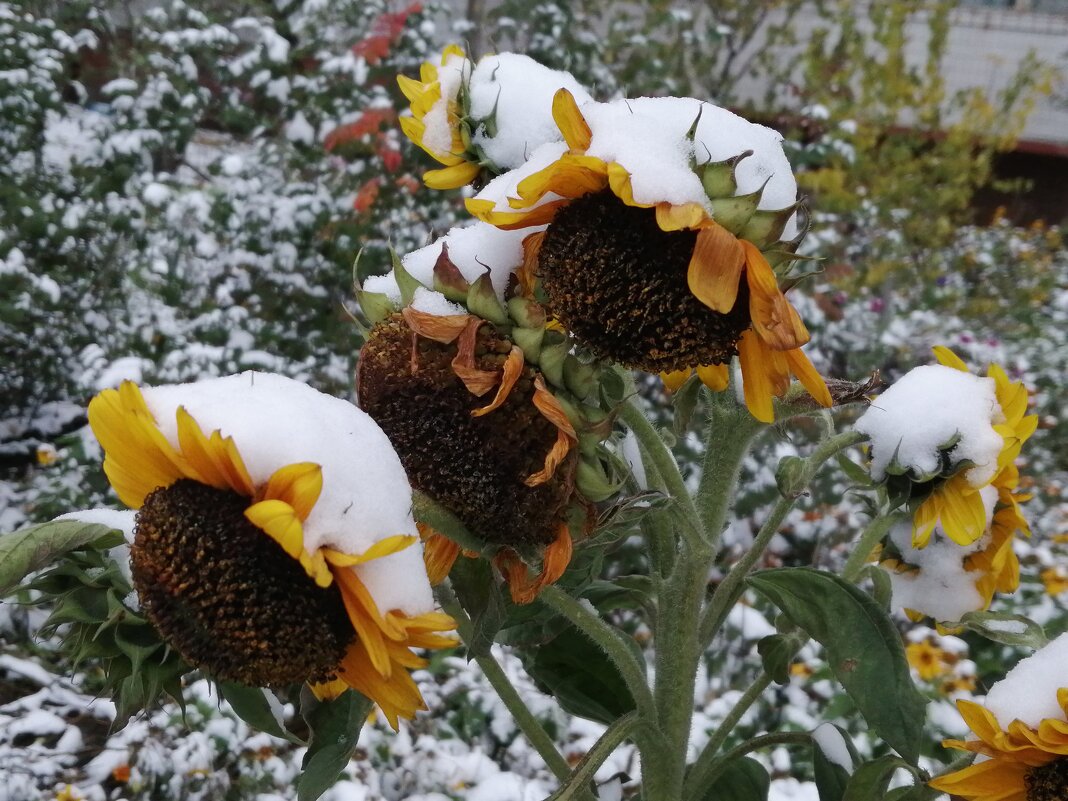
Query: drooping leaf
(870, 780)
(685, 402)
(580, 676)
(481, 596)
(253, 706)
(335, 728)
(1005, 628)
(777, 652)
(831, 778)
(863, 646)
(743, 779)
(30, 549)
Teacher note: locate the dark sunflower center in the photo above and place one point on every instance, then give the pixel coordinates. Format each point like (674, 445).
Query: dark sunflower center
(473, 466)
(618, 283)
(226, 595)
(1048, 782)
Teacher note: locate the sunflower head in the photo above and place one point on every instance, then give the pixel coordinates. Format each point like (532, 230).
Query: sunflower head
(481, 118)
(1019, 732)
(492, 414)
(939, 436)
(255, 568)
(666, 220)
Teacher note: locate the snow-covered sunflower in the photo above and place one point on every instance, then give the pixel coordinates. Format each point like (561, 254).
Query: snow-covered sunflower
(273, 542)
(940, 435)
(492, 414)
(1022, 735)
(484, 117)
(665, 218)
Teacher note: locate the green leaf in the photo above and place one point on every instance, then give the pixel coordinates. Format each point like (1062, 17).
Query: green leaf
(854, 472)
(831, 779)
(1005, 628)
(482, 598)
(30, 549)
(252, 706)
(685, 402)
(882, 590)
(743, 779)
(777, 652)
(870, 779)
(863, 646)
(335, 728)
(581, 677)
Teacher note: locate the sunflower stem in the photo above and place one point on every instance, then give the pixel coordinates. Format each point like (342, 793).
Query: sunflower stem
(426, 510)
(609, 640)
(703, 772)
(513, 702)
(663, 461)
(730, 432)
(697, 785)
(732, 587)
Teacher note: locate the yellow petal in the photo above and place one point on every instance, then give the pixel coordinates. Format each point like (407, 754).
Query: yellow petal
(811, 380)
(137, 457)
(774, 318)
(452, 177)
(299, 485)
(569, 120)
(569, 177)
(676, 378)
(714, 376)
(513, 366)
(925, 519)
(685, 217)
(485, 210)
(439, 555)
(963, 513)
(948, 358)
(715, 268)
(280, 522)
(384, 547)
(410, 87)
(993, 780)
(756, 383)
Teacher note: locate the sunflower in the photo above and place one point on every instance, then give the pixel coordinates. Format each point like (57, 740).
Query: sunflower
(951, 497)
(245, 561)
(927, 659)
(1025, 761)
(484, 117)
(435, 124)
(488, 412)
(650, 259)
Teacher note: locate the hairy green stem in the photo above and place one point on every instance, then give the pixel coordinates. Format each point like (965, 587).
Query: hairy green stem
(731, 430)
(495, 675)
(717, 766)
(731, 588)
(664, 463)
(616, 733)
(609, 640)
(428, 511)
(701, 774)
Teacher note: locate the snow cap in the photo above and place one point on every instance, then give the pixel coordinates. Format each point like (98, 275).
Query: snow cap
(1029, 691)
(925, 412)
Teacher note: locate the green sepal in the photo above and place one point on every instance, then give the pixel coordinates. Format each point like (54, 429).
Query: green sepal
(405, 281)
(376, 306)
(482, 301)
(734, 213)
(593, 482)
(765, 227)
(579, 378)
(718, 177)
(527, 313)
(448, 280)
(551, 361)
(529, 341)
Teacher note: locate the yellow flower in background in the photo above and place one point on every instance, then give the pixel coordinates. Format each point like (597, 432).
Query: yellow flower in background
(957, 505)
(221, 568)
(659, 286)
(436, 124)
(927, 659)
(1055, 579)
